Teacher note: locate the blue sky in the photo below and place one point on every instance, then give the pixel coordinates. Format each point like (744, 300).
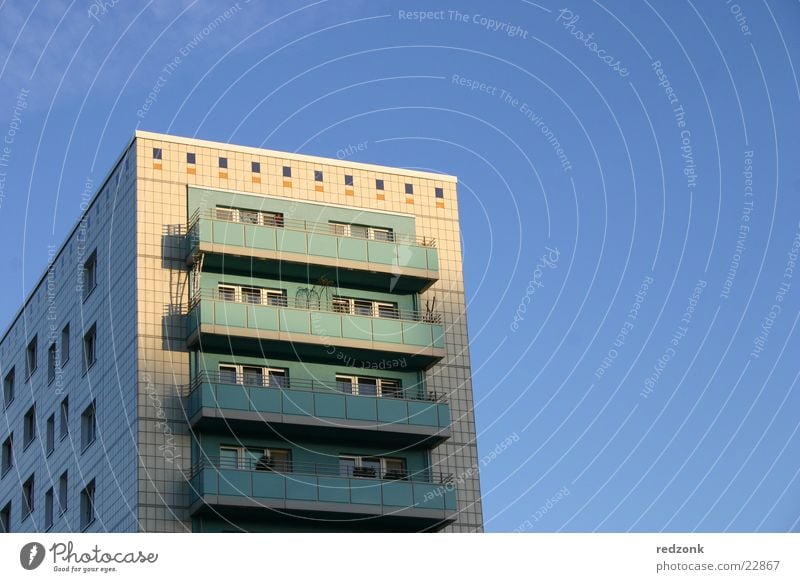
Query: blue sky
(629, 197)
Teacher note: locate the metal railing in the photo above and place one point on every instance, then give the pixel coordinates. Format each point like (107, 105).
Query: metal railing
(307, 226)
(287, 466)
(282, 383)
(328, 306)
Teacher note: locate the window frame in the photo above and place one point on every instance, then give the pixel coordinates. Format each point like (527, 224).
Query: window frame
(266, 372)
(63, 492)
(28, 496)
(88, 508)
(5, 518)
(50, 434)
(9, 387)
(31, 357)
(48, 509)
(90, 339)
(381, 385)
(90, 275)
(52, 362)
(29, 428)
(63, 419)
(359, 466)
(65, 341)
(89, 425)
(7, 460)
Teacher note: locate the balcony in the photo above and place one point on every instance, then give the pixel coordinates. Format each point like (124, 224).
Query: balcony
(392, 261)
(423, 500)
(310, 408)
(316, 331)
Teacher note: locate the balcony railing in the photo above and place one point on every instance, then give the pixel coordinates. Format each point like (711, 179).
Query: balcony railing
(309, 227)
(305, 385)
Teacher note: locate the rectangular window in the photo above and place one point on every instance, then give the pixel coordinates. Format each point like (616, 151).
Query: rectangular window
(228, 214)
(318, 175)
(272, 219)
(275, 298)
(30, 357)
(251, 295)
(340, 305)
(255, 167)
(253, 376)
(387, 310)
(89, 425)
(63, 492)
(362, 231)
(372, 467)
(28, 490)
(157, 153)
(394, 468)
(277, 378)
(90, 274)
(64, 420)
(359, 231)
(223, 163)
(409, 189)
(248, 216)
(229, 458)
(391, 389)
(51, 363)
(29, 427)
(384, 234)
(348, 180)
(90, 347)
(287, 171)
(88, 505)
(8, 453)
(439, 192)
(227, 293)
(227, 374)
(5, 519)
(362, 307)
(64, 346)
(364, 386)
(258, 459)
(50, 433)
(8, 388)
(379, 184)
(191, 158)
(48, 508)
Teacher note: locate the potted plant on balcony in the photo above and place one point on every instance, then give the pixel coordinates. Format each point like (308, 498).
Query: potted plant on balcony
(364, 472)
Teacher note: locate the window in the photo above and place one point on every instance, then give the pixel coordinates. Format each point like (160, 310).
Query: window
(259, 459)
(365, 307)
(348, 180)
(8, 453)
(409, 189)
(372, 467)
(90, 274)
(253, 375)
(8, 388)
(275, 298)
(384, 234)
(89, 425)
(287, 171)
(362, 231)
(27, 496)
(277, 378)
(223, 163)
(64, 420)
(157, 153)
(63, 491)
(48, 508)
(50, 433)
(272, 219)
(5, 518)
(90, 347)
(248, 216)
(30, 357)
(64, 346)
(379, 184)
(87, 505)
(363, 386)
(229, 214)
(51, 363)
(318, 175)
(227, 374)
(387, 310)
(439, 192)
(227, 293)
(29, 427)
(191, 158)
(251, 295)
(255, 167)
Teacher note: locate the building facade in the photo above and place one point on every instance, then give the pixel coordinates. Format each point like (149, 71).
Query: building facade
(237, 339)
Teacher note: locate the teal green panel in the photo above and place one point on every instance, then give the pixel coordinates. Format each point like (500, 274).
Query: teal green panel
(429, 495)
(330, 405)
(232, 482)
(209, 485)
(334, 489)
(295, 321)
(353, 249)
(259, 237)
(206, 312)
(196, 487)
(322, 245)
(231, 397)
(230, 314)
(398, 493)
(423, 414)
(355, 327)
(326, 324)
(367, 491)
(262, 317)
(417, 333)
(297, 402)
(444, 415)
(387, 330)
(191, 321)
(204, 230)
(433, 259)
(438, 336)
(228, 233)
(265, 399)
(384, 253)
(411, 256)
(269, 485)
(291, 241)
(362, 408)
(302, 487)
(392, 410)
(450, 499)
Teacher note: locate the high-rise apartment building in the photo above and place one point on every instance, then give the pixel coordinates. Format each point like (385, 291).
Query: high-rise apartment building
(237, 339)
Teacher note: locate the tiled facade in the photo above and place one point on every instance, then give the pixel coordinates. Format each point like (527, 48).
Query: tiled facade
(152, 462)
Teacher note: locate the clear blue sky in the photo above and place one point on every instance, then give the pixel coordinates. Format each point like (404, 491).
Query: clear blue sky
(629, 196)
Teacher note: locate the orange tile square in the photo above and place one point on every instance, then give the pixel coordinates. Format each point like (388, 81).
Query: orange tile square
(440, 205)
(191, 170)
(348, 192)
(156, 165)
(256, 179)
(409, 201)
(319, 188)
(380, 197)
(223, 175)
(287, 183)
